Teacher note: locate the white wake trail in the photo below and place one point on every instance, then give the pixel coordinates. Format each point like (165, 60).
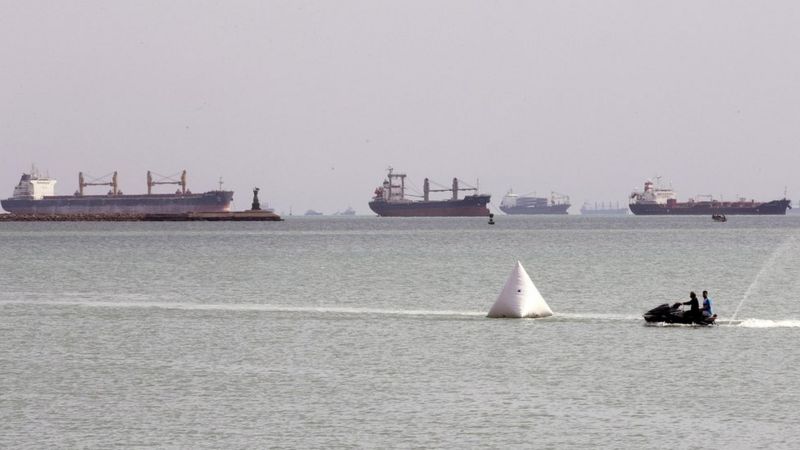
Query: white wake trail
(557, 317)
(249, 307)
(763, 323)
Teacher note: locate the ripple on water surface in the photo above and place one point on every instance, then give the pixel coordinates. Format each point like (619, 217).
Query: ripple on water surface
(372, 332)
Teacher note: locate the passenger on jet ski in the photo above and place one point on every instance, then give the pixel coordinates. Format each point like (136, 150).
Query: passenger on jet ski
(707, 312)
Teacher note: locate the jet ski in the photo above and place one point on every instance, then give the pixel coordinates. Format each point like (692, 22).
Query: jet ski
(675, 314)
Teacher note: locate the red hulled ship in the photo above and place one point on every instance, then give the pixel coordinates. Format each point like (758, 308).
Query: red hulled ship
(655, 200)
(390, 200)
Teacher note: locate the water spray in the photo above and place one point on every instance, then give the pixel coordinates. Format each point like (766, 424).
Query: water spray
(768, 264)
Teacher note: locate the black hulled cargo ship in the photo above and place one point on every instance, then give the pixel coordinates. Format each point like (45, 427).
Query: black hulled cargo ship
(390, 200)
(654, 200)
(523, 204)
(35, 195)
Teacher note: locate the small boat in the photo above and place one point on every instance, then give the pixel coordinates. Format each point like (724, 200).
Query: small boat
(719, 218)
(675, 314)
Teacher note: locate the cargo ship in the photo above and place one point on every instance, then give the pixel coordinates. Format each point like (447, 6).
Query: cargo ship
(656, 200)
(603, 209)
(35, 195)
(522, 204)
(390, 200)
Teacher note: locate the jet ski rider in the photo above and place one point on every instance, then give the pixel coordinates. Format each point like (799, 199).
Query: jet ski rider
(694, 307)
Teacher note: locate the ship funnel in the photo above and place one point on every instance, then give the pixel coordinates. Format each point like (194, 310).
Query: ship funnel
(519, 298)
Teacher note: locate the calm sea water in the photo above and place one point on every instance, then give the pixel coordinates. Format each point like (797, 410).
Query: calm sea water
(369, 332)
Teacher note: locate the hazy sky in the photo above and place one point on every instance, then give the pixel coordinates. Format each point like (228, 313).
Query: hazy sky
(312, 100)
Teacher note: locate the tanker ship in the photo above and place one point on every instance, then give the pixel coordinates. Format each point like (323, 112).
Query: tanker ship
(35, 195)
(390, 200)
(655, 200)
(521, 204)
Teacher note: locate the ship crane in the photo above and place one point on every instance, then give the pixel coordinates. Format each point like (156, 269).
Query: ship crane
(426, 189)
(113, 183)
(151, 182)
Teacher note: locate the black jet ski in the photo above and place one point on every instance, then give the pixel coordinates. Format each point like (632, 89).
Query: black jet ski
(675, 314)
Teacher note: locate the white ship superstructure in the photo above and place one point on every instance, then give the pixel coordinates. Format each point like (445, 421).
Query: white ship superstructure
(653, 195)
(32, 186)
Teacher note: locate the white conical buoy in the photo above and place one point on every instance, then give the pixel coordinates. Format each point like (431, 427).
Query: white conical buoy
(520, 298)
